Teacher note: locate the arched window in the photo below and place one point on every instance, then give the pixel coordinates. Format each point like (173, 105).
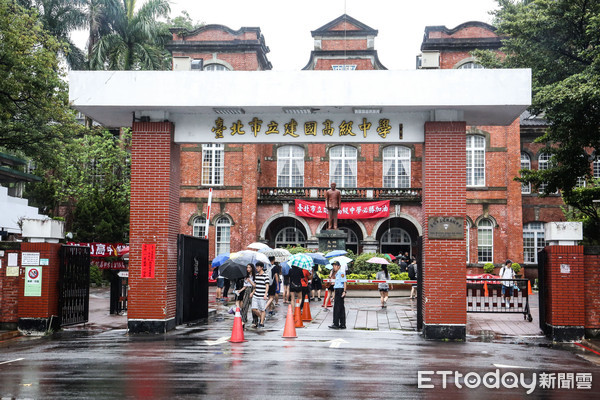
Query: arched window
(470, 65)
(199, 226)
(290, 236)
(213, 159)
(525, 164)
(396, 236)
(533, 241)
(475, 160)
(290, 166)
(342, 166)
(215, 67)
(485, 241)
(351, 239)
(223, 229)
(396, 167)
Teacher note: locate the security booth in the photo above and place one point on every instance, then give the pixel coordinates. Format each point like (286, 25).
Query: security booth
(169, 109)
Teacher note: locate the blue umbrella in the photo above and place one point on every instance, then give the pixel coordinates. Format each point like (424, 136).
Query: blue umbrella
(285, 268)
(318, 258)
(220, 259)
(336, 253)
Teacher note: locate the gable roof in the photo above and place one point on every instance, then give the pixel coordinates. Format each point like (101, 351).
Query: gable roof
(361, 29)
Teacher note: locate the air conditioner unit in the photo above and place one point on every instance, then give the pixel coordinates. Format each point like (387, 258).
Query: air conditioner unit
(182, 63)
(197, 65)
(429, 59)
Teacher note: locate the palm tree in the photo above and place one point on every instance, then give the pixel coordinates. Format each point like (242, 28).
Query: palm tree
(60, 18)
(99, 16)
(136, 40)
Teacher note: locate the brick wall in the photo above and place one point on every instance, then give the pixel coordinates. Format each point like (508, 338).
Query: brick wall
(565, 305)
(9, 292)
(154, 219)
(592, 289)
(444, 194)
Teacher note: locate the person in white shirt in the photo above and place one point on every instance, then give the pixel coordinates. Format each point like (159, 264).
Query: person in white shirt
(507, 272)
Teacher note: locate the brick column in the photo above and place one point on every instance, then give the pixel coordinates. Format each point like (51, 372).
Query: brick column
(565, 284)
(154, 219)
(249, 197)
(444, 195)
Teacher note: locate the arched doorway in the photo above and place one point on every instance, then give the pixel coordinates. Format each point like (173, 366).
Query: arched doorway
(286, 231)
(353, 232)
(398, 235)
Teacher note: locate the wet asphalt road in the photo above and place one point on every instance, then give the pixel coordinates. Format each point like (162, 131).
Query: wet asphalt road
(197, 362)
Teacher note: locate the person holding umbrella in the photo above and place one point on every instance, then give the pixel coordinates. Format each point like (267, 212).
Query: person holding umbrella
(245, 293)
(383, 275)
(339, 311)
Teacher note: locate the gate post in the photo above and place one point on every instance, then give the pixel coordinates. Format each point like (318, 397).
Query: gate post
(154, 221)
(444, 195)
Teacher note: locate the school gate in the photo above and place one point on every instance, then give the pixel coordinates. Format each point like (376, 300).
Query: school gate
(167, 109)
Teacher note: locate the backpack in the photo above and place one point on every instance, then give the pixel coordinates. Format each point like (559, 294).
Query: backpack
(215, 274)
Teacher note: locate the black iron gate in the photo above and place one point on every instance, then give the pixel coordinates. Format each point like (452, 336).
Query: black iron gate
(542, 290)
(420, 285)
(192, 279)
(74, 285)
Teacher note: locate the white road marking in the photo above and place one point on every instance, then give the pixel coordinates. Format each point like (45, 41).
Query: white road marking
(221, 340)
(6, 362)
(336, 343)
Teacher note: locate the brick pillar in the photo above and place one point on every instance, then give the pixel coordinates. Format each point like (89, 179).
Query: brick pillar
(154, 220)
(444, 195)
(9, 289)
(565, 284)
(40, 313)
(249, 195)
(592, 291)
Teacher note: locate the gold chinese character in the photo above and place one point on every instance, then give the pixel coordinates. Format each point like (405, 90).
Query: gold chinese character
(328, 130)
(236, 128)
(272, 128)
(346, 128)
(219, 128)
(255, 124)
(384, 127)
(364, 127)
(310, 128)
(290, 128)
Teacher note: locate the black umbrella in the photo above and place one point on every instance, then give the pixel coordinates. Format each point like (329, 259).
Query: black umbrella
(233, 269)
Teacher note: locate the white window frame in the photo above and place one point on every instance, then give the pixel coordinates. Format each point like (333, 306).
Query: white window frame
(468, 240)
(543, 164)
(533, 241)
(199, 226)
(525, 164)
(345, 163)
(475, 155)
(289, 236)
(395, 236)
(485, 240)
(396, 167)
(222, 235)
(290, 158)
(214, 67)
(213, 164)
(470, 65)
(596, 168)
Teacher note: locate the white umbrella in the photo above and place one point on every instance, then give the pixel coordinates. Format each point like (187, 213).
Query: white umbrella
(258, 246)
(250, 256)
(280, 255)
(342, 259)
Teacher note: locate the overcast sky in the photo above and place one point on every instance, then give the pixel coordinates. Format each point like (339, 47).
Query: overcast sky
(286, 24)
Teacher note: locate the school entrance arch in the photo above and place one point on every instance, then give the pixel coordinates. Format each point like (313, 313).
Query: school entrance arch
(166, 109)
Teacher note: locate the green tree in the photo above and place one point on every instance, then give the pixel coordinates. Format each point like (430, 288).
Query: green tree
(560, 41)
(185, 22)
(137, 39)
(35, 118)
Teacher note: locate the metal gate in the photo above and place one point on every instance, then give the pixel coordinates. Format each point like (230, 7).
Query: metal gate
(542, 290)
(74, 285)
(420, 285)
(192, 279)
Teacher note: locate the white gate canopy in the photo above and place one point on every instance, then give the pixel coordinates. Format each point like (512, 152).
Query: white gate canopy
(301, 106)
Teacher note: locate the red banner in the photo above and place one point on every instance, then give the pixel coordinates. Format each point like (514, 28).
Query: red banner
(148, 260)
(102, 249)
(359, 210)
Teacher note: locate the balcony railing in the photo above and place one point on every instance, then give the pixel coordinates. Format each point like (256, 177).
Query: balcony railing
(277, 194)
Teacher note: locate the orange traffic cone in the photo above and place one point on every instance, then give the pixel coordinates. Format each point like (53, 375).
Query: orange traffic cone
(297, 317)
(485, 289)
(326, 298)
(329, 299)
(529, 291)
(289, 331)
(306, 310)
(237, 333)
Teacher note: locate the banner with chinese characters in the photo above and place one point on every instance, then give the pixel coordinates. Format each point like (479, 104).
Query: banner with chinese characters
(359, 210)
(102, 249)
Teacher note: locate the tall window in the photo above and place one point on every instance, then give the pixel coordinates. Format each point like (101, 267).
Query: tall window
(290, 236)
(485, 241)
(468, 240)
(475, 160)
(525, 164)
(199, 227)
(342, 166)
(533, 241)
(223, 229)
(596, 168)
(543, 164)
(290, 166)
(212, 164)
(396, 167)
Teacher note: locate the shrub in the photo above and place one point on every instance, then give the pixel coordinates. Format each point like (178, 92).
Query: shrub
(97, 276)
(488, 268)
(516, 267)
(361, 266)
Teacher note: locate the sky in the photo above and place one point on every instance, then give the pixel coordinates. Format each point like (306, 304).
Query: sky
(286, 24)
